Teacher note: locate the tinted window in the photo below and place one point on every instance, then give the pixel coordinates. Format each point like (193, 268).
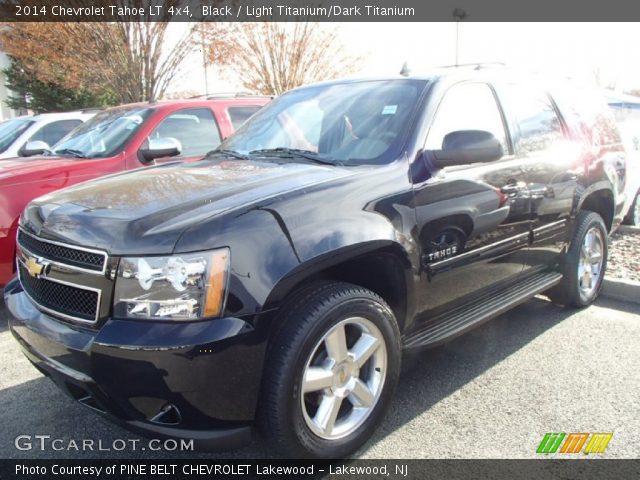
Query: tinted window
(54, 131)
(239, 115)
(587, 117)
(351, 122)
(105, 134)
(195, 128)
(10, 130)
(537, 119)
(469, 106)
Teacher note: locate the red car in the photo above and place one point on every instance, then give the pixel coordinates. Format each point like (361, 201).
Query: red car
(118, 139)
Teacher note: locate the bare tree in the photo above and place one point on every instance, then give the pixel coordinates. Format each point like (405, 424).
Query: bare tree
(272, 57)
(135, 60)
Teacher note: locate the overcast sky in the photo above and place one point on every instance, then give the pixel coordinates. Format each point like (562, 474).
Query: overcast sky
(577, 50)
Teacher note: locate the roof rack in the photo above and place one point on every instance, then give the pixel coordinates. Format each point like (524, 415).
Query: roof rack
(213, 96)
(476, 65)
(92, 109)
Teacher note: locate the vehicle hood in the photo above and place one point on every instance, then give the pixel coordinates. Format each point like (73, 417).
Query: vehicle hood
(15, 170)
(146, 211)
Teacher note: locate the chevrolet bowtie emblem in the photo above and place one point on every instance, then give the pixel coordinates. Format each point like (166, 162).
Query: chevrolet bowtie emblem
(34, 267)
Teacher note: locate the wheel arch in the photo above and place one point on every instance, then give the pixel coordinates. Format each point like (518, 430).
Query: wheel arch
(600, 201)
(383, 267)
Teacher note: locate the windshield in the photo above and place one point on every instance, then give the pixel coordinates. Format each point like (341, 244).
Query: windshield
(348, 123)
(103, 135)
(10, 130)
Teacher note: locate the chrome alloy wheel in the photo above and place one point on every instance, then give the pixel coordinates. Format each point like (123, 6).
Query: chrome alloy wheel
(591, 261)
(635, 212)
(348, 363)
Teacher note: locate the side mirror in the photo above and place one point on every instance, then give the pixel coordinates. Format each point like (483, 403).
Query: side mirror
(37, 147)
(465, 147)
(161, 147)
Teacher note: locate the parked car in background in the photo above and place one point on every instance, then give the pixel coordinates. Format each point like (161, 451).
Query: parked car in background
(33, 134)
(279, 280)
(630, 131)
(117, 139)
(626, 109)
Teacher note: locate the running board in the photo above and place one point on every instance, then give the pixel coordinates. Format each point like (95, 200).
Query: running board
(473, 313)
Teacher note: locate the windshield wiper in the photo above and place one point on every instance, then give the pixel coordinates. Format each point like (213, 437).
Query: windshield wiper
(228, 153)
(70, 151)
(294, 152)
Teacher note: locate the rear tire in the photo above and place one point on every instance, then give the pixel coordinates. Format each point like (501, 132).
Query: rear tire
(584, 265)
(331, 371)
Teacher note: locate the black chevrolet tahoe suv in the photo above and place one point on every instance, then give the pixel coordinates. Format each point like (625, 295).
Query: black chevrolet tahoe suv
(276, 283)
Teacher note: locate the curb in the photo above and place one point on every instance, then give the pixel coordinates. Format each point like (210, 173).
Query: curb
(621, 290)
(628, 229)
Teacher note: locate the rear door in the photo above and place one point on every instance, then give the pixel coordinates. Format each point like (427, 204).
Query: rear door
(473, 220)
(552, 165)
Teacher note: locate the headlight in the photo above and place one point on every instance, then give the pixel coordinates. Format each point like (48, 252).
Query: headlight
(179, 287)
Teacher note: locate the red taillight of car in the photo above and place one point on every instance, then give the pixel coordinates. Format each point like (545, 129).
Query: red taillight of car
(503, 198)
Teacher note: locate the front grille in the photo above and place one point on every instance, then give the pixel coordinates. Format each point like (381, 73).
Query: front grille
(67, 301)
(62, 254)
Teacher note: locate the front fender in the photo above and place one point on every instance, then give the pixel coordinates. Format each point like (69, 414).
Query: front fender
(284, 239)
(315, 266)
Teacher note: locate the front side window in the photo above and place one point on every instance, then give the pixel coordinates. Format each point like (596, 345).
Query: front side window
(54, 131)
(104, 135)
(195, 128)
(10, 130)
(349, 123)
(468, 106)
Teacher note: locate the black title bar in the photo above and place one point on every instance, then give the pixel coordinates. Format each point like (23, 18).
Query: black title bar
(194, 469)
(316, 10)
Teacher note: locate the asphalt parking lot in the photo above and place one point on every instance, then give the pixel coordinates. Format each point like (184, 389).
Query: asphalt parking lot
(493, 393)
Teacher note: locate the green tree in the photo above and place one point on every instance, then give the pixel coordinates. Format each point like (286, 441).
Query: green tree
(30, 93)
(133, 58)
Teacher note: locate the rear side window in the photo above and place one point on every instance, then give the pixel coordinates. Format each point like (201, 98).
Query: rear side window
(538, 123)
(586, 113)
(195, 128)
(54, 131)
(468, 106)
(239, 115)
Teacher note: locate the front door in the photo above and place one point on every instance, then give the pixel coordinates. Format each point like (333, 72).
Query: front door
(473, 220)
(195, 129)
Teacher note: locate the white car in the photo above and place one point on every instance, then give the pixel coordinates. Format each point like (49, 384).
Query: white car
(627, 112)
(630, 132)
(39, 131)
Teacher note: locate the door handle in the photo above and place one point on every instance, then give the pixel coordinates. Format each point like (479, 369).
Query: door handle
(510, 189)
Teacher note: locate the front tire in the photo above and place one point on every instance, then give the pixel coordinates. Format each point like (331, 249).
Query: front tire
(331, 371)
(584, 264)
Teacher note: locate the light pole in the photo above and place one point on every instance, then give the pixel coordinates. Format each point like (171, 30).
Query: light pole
(459, 15)
(204, 60)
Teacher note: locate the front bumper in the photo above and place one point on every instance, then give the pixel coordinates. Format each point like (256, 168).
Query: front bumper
(196, 380)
